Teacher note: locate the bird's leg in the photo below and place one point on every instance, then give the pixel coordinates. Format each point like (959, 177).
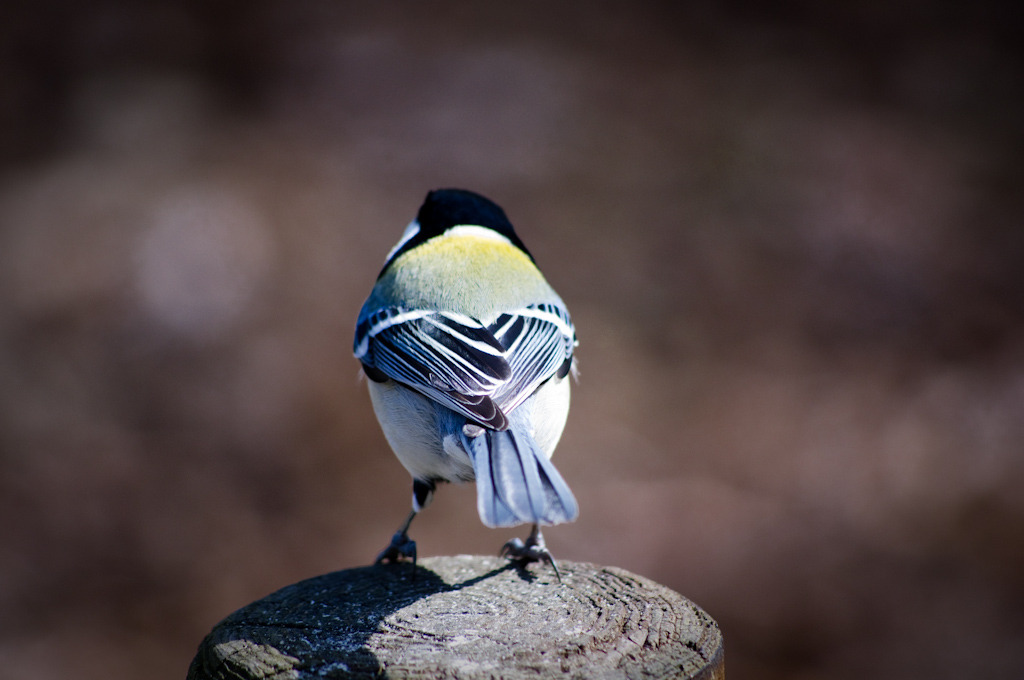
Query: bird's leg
(533, 550)
(401, 545)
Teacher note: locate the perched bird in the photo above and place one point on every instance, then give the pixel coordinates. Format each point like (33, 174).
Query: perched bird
(467, 351)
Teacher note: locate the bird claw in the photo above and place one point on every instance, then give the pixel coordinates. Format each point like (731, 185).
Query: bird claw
(401, 547)
(533, 550)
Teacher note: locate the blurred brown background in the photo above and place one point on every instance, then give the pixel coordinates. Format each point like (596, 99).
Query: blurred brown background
(791, 241)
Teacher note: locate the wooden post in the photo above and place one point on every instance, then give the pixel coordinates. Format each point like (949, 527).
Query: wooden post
(466, 617)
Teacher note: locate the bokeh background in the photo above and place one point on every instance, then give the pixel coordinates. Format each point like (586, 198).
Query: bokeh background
(791, 240)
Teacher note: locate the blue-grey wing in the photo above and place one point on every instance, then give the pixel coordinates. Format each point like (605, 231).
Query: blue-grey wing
(482, 372)
(449, 357)
(538, 342)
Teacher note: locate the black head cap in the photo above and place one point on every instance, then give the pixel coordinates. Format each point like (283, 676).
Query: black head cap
(446, 208)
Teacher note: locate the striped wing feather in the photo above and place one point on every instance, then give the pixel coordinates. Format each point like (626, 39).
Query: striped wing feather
(482, 372)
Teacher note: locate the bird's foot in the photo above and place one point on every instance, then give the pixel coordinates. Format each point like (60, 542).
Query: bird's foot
(533, 550)
(401, 547)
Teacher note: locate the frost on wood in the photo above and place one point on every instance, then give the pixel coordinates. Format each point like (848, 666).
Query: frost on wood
(465, 617)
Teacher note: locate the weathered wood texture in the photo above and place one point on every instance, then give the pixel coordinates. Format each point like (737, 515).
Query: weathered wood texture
(466, 617)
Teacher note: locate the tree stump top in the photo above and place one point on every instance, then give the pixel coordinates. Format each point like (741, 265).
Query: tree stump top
(465, 617)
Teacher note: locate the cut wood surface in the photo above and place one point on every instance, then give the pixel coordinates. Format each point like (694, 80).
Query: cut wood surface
(466, 617)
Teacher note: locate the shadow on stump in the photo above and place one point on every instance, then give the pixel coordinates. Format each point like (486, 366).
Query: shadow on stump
(333, 615)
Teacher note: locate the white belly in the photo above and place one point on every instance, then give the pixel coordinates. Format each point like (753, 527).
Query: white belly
(424, 435)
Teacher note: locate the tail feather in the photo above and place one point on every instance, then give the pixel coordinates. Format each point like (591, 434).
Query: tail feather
(515, 481)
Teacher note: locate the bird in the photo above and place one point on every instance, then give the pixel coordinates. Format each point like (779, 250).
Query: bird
(468, 353)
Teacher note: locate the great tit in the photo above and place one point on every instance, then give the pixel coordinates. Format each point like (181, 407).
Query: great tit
(468, 353)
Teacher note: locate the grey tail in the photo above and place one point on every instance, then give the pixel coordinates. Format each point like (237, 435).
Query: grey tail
(515, 481)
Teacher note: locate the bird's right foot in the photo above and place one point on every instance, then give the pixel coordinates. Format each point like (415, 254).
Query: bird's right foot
(533, 550)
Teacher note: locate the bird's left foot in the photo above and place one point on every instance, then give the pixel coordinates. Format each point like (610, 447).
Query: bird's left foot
(533, 550)
(401, 546)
